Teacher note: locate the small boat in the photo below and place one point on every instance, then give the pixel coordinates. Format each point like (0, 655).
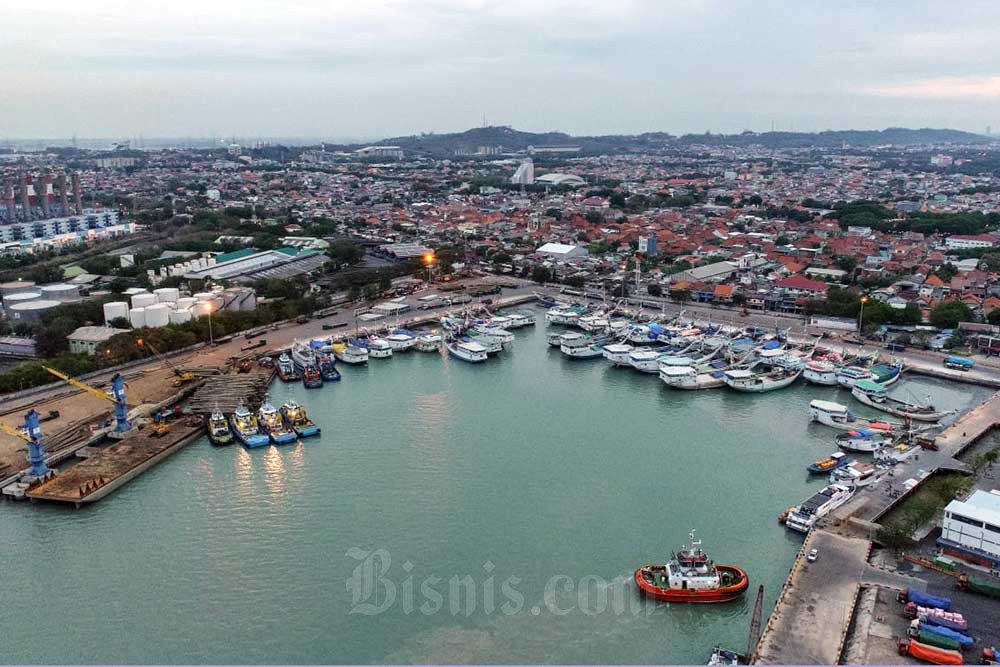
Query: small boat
(218, 429)
(817, 506)
(722, 656)
(873, 394)
(246, 429)
(470, 351)
(863, 440)
(350, 353)
(617, 353)
(272, 423)
(886, 374)
(821, 372)
(429, 342)
(830, 463)
(286, 369)
(544, 299)
(296, 417)
(327, 367)
(379, 348)
(856, 474)
(691, 576)
(311, 377)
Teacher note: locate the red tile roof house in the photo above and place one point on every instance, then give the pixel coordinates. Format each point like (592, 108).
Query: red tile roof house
(800, 285)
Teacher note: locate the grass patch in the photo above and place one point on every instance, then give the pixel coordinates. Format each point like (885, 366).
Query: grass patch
(921, 506)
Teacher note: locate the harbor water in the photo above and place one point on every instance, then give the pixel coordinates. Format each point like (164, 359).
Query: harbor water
(450, 512)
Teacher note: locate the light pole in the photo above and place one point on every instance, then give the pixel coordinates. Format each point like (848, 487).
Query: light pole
(429, 263)
(861, 317)
(211, 340)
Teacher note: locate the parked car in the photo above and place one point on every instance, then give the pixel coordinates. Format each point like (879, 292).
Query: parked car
(813, 555)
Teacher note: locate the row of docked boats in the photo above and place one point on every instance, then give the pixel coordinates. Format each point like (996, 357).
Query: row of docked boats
(269, 425)
(476, 337)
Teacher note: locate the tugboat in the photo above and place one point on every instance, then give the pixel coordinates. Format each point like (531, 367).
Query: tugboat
(246, 429)
(691, 577)
(327, 367)
(272, 423)
(295, 416)
(311, 377)
(286, 369)
(218, 429)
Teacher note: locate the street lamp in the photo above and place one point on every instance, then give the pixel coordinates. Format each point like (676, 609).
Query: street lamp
(429, 263)
(211, 339)
(861, 317)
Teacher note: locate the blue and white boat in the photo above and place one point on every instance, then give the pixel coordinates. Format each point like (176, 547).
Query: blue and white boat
(246, 429)
(296, 417)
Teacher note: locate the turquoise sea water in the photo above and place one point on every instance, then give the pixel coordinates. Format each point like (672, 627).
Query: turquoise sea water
(450, 512)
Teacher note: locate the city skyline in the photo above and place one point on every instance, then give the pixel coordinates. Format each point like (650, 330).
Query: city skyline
(184, 69)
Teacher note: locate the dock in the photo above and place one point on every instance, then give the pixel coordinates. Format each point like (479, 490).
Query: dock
(111, 467)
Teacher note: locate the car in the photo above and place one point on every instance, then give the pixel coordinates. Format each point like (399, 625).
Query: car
(812, 556)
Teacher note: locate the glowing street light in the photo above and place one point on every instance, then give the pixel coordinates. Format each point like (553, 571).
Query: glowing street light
(861, 316)
(429, 263)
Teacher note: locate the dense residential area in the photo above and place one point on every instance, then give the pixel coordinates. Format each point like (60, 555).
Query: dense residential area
(901, 239)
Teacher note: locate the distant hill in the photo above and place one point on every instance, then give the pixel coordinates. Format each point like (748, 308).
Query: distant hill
(511, 140)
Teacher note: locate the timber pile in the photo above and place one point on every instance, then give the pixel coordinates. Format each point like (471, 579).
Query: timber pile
(201, 371)
(227, 392)
(73, 432)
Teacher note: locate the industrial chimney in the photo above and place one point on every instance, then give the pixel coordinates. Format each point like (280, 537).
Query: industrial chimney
(76, 193)
(8, 197)
(42, 193)
(25, 202)
(63, 195)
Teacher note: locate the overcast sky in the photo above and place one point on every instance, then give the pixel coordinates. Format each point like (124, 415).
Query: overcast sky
(368, 68)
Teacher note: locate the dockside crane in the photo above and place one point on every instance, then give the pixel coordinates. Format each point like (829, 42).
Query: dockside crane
(32, 435)
(117, 396)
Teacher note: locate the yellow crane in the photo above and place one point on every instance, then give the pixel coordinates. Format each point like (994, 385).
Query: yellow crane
(16, 432)
(117, 396)
(183, 377)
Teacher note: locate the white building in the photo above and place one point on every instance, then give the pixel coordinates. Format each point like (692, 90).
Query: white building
(87, 340)
(525, 174)
(92, 220)
(971, 528)
(393, 152)
(966, 242)
(562, 251)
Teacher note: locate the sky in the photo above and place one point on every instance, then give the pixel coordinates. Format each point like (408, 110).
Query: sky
(383, 68)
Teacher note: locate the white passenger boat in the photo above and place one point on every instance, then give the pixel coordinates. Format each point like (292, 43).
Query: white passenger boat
(303, 356)
(746, 380)
(827, 499)
(400, 342)
(874, 395)
(617, 353)
(429, 342)
(379, 348)
(470, 351)
(856, 474)
(646, 360)
(820, 372)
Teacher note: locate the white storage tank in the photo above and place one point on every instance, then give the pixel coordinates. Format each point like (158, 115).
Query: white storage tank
(137, 316)
(158, 315)
(180, 316)
(132, 291)
(115, 309)
(143, 300)
(31, 311)
(16, 287)
(167, 294)
(21, 297)
(60, 292)
(201, 309)
(204, 296)
(186, 302)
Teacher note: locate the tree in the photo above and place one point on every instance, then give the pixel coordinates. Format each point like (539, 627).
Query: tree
(345, 253)
(947, 315)
(994, 316)
(541, 274)
(654, 289)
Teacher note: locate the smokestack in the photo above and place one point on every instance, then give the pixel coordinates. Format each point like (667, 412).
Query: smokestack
(76, 193)
(42, 193)
(25, 202)
(63, 195)
(8, 196)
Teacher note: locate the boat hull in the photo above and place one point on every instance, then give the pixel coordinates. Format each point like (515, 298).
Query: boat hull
(307, 431)
(715, 595)
(253, 440)
(220, 440)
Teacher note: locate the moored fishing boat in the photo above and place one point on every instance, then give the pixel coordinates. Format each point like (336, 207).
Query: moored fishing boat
(379, 348)
(863, 440)
(286, 369)
(857, 474)
(272, 423)
(246, 429)
(839, 417)
(401, 340)
(646, 360)
(829, 464)
(874, 395)
(848, 375)
(690, 576)
(327, 367)
(584, 347)
(704, 376)
(302, 355)
(557, 339)
(887, 374)
(821, 372)
(218, 429)
(349, 353)
(296, 417)
(821, 503)
(429, 342)
(617, 353)
(746, 380)
(470, 351)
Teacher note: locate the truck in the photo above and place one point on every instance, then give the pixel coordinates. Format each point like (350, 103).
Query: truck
(932, 639)
(928, 629)
(947, 619)
(928, 653)
(959, 363)
(924, 599)
(981, 585)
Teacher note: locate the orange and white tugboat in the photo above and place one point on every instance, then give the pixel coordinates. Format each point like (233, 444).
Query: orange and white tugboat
(691, 576)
